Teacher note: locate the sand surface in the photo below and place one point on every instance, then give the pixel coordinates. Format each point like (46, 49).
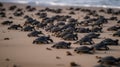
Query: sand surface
(21, 52)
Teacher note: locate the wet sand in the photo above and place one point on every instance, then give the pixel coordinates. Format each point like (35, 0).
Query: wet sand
(21, 52)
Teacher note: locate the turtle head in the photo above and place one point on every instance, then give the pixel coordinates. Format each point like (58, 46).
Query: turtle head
(75, 34)
(98, 34)
(116, 41)
(98, 57)
(20, 25)
(92, 49)
(114, 34)
(48, 36)
(69, 43)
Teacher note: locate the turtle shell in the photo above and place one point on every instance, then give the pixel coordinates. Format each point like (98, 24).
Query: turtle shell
(82, 49)
(108, 59)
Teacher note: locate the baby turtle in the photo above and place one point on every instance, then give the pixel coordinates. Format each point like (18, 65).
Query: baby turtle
(73, 64)
(12, 7)
(18, 13)
(84, 49)
(62, 44)
(55, 29)
(2, 14)
(109, 60)
(15, 27)
(63, 33)
(118, 21)
(113, 28)
(34, 33)
(96, 29)
(83, 30)
(71, 37)
(84, 40)
(43, 40)
(7, 22)
(1, 4)
(28, 28)
(99, 65)
(7, 38)
(72, 12)
(93, 35)
(117, 33)
(110, 41)
(100, 46)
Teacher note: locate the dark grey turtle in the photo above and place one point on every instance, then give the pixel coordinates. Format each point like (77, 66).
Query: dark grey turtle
(57, 11)
(69, 29)
(29, 20)
(18, 13)
(43, 15)
(113, 18)
(83, 30)
(15, 27)
(60, 18)
(61, 23)
(74, 64)
(63, 33)
(93, 13)
(92, 35)
(2, 9)
(1, 4)
(28, 6)
(100, 21)
(55, 29)
(70, 8)
(28, 28)
(117, 33)
(49, 27)
(35, 22)
(72, 12)
(100, 46)
(84, 40)
(30, 9)
(110, 41)
(77, 8)
(84, 49)
(26, 17)
(19, 9)
(10, 17)
(96, 29)
(43, 40)
(101, 10)
(99, 65)
(72, 20)
(41, 25)
(12, 7)
(109, 10)
(86, 17)
(85, 22)
(109, 60)
(34, 34)
(62, 44)
(113, 28)
(2, 14)
(7, 22)
(118, 21)
(70, 37)
(67, 26)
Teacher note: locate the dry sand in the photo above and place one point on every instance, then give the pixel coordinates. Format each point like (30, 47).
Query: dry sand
(20, 50)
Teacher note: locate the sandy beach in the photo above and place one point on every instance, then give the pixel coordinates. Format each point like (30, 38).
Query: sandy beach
(21, 51)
